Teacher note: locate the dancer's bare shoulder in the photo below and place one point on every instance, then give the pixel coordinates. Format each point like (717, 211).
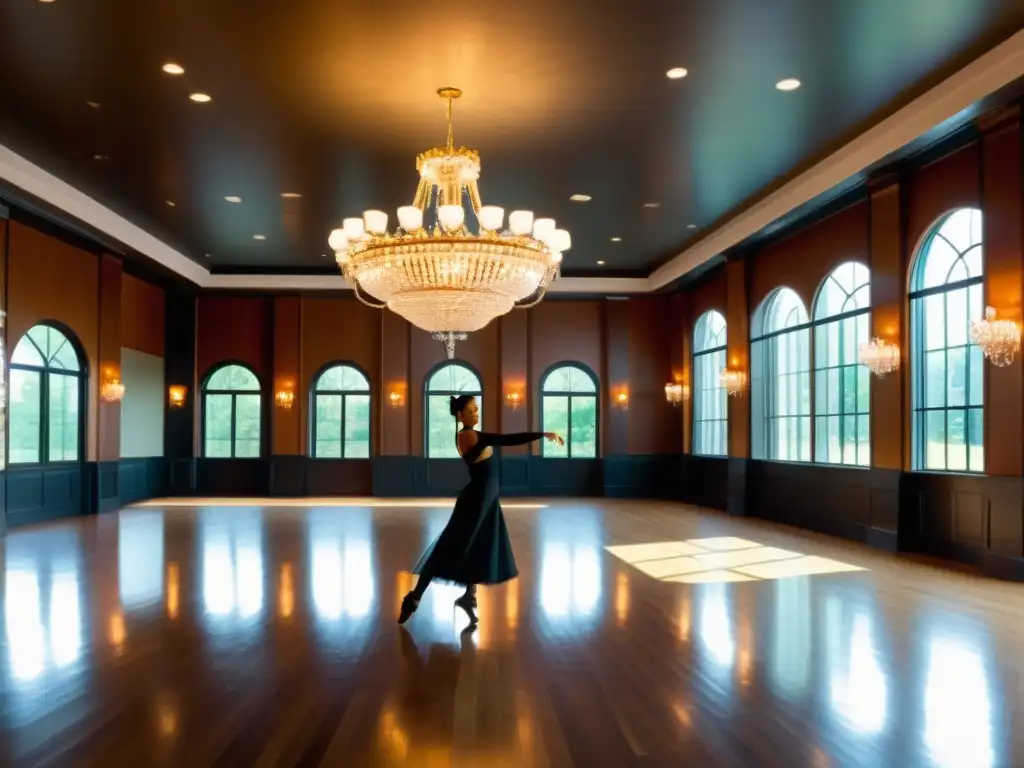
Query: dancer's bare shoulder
(466, 440)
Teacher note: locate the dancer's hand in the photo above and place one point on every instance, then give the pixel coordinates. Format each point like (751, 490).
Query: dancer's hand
(554, 437)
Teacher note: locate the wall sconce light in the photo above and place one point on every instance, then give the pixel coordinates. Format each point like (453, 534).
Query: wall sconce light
(733, 381)
(620, 398)
(879, 356)
(285, 399)
(515, 394)
(111, 390)
(176, 396)
(676, 392)
(513, 400)
(396, 395)
(999, 339)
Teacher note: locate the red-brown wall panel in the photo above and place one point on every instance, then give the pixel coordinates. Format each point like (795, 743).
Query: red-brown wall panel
(235, 328)
(142, 316)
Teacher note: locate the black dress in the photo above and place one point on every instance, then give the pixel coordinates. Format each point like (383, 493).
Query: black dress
(474, 547)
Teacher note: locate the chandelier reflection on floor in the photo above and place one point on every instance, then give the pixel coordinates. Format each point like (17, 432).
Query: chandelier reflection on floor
(445, 269)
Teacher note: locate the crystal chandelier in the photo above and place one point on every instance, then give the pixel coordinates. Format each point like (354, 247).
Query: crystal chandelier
(879, 356)
(675, 392)
(112, 391)
(445, 269)
(998, 339)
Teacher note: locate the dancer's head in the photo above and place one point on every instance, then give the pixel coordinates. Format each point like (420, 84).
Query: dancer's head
(465, 410)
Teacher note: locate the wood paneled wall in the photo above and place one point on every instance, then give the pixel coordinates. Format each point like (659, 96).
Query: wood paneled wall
(287, 340)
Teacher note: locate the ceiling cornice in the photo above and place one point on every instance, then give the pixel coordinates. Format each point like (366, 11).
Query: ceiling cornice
(987, 74)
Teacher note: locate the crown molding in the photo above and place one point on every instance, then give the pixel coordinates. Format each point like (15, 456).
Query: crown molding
(985, 75)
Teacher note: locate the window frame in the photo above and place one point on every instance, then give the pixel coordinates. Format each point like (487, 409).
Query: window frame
(916, 298)
(595, 395)
(762, 313)
(428, 393)
(204, 391)
(700, 356)
(314, 393)
(82, 375)
(817, 323)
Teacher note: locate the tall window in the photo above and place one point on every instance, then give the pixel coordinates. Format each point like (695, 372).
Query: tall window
(948, 379)
(341, 414)
(451, 379)
(231, 414)
(45, 402)
(780, 379)
(842, 394)
(569, 407)
(710, 400)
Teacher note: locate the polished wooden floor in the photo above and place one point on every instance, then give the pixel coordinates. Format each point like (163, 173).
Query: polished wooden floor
(250, 635)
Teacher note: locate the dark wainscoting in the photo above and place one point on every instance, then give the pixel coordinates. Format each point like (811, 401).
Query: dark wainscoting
(972, 519)
(702, 481)
(232, 477)
(102, 482)
(657, 476)
(853, 503)
(38, 494)
(140, 479)
(302, 476)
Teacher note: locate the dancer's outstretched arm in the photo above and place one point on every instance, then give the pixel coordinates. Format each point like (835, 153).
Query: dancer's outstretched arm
(470, 438)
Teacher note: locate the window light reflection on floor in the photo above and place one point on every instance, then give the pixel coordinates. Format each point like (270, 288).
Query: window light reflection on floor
(722, 559)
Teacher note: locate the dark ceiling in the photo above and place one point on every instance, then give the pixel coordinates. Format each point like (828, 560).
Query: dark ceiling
(332, 100)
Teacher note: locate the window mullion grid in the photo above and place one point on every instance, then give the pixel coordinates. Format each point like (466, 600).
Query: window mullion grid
(44, 417)
(568, 428)
(341, 437)
(234, 415)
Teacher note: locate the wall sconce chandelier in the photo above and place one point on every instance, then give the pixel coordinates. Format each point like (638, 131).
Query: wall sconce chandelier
(732, 381)
(513, 399)
(395, 399)
(112, 390)
(879, 356)
(176, 396)
(621, 398)
(285, 399)
(675, 393)
(998, 339)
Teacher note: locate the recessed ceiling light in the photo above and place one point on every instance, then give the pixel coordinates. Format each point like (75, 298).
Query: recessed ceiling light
(173, 69)
(99, 157)
(169, 203)
(259, 237)
(233, 199)
(581, 198)
(676, 73)
(652, 205)
(45, 1)
(93, 104)
(200, 98)
(789, 84)
(616, 239)
(600, 263)
(291, 195)
(691, 226)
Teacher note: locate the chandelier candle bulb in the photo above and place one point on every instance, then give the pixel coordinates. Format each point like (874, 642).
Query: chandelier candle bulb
(338, 240)
(491, 217)
(560, 240)
(376, 222)
(521, 223)
(353, 228)
(451, 216)
(410, 218)
(542, 229)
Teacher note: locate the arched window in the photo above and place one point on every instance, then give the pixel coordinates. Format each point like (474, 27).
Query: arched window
(46, 408)
(780, 379)
(948, 375)
(341, 414)
(449, 379)
(710, 401)
(569, 407)
(231, 413)
(842, 393)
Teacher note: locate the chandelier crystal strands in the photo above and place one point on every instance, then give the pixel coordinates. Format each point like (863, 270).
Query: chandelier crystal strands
(999, 339)
(444, 269)
(879, 356)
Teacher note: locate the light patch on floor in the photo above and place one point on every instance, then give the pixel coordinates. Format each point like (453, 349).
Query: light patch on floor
(723, 559)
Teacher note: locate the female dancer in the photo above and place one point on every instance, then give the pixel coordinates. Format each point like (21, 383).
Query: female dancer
(474, 547)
